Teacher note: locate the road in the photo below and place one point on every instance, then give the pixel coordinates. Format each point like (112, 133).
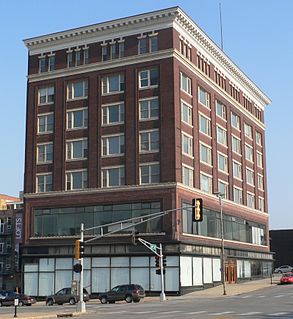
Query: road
(273, 302)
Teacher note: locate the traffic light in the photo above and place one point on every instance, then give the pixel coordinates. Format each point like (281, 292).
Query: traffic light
(197, 210)
(164, 261)
(135, 237)
(77, 268)
(79, 249)
(157, 264)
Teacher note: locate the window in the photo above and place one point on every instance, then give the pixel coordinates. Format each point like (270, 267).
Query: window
(149, 173)
(77, 119)
(205, 154)
(46, 95)
(69, 59)
(186, 113)
(42, 65)
(187, 147)
(44, 183)
(237, 172)
(153, 43)
(258, 138)
(113, 114)
(113, 84)
(104, 52)
(185, 83)
(237, 195)
(220, 109)
(204, 125)
(235, 121)
(44, 153)
(149, 141)
(236, 145)
(76, 180)
(259, 159)
(76, 149)
(121, 49)
(113, 176)
(77, 57)
(249, 176)
(222, 163)
(113, 145)
(248, 153)
(113, 51)
(51, 64)
(260, 182)
(85, 55)
(204, 97)
(223, 188)
(206, 183)
(148, 78)
(221, 135)
(46, 123)
(248, 130)
(149, 109)
(261, 204)
(187, 176)
(77, 90)
(250, 200)
(142, 45)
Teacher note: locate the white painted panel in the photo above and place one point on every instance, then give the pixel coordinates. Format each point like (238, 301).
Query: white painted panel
(140, 276)
(247, 269)
(155, 284)
(31, 267)
(172, 279)
(216, 269)
(46, 264)
(139, 261)
(240, 268)
(120, 262)
(207, 271)
(101, 262)
(64, 263)
(197, 271)
(186, 271)
(119, 276)
(46, 284)
(63, 279)
(100, 279)
(31, 284)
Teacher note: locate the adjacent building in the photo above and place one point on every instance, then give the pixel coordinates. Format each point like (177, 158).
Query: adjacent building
(131, 117)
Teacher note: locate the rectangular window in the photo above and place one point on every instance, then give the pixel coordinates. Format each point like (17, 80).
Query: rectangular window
(46, 95)
(222, 163)
(185, 83)
(186, 113)
(237, 195)
(235, 121)
(51, 63)
(69, 59)
(113, 51)
(121, 49)
(261, 204)
(113, 145)
(258, 138)
(260, 182)
(205, 154)
(77, 119)
(237, 171)
(204, 97)
(259, 159)
(113, 84)
(187, 176)
(113, 114)
(148, 78)
(44, 153)
(187, 145)
(76, 149)
(44, 183)
(77, 90)
(220, 109)
(104, 52)
(223, 188)
(206, 183)
(204, 125)
(248, 130)
(46, 123)
(221, 136)
(76, 180)
(85, 56)
(113, 176)
(42, 65)
(149, 109)
(236, 145)
(249, 176)
(149, 141)
(153, 43)
(248, 153)
(142, 46)
(77, 57)
(250, 200)
(149, 173)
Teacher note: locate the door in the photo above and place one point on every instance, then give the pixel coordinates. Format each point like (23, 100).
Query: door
(231, 271)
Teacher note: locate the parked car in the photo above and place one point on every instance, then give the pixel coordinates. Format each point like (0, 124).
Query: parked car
(129, 293)
(3, 294)
(287, 279)
(23, 300)
(65, 295)
(283, 269)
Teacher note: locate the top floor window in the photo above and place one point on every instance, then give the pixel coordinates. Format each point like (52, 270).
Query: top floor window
(113, 84)
(46, 95)
(148, 78)
(185, 83)
(235, 121)
(121, 49)
(153, 43)
(85, 55)
(77, 57)
(42, 64)
(51, 63)
(142, 45)
(220, 109)
(69, 59)
(204, 97)
(104, 52)
(77, 90)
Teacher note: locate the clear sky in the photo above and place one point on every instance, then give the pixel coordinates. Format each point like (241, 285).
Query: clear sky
(257, 37)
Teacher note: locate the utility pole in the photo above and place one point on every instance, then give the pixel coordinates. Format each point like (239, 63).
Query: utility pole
(81, 303)
(162, 294)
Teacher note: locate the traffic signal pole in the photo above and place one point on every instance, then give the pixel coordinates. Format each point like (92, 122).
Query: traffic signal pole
(81, 303)
(162, 294)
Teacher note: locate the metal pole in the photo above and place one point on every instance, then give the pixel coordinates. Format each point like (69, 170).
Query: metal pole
(162, 295)
(81, 303)
(222, 248)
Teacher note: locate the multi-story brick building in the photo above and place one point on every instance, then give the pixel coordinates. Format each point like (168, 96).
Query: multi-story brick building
(134, 116)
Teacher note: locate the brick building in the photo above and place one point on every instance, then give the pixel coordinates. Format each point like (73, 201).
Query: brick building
(134, 116)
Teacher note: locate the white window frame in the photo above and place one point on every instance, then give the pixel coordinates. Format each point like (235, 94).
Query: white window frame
(46, 116)
(238, 145)
(121, 175)
(69, 58)
(224, 134)
(70, 144)
(249, 158)
(250, 200)
(189, 144)
(71, 90)
(148, 78)
(221, 114)
(77, 57)
(105, 84)
(70, 118)
(42, 64)
(113, 50)
(152, 37)
(249, 176)
(106, 110)
(149, 165)
(237, 121)
(84, 179)
(208, 126)
(186, 106)
(185, 78)
(240, 190)
(210, 182)
(260, 182)
(248, 130)
(225, 170)
(45, 175)
(149, 108)
(142, 40)
(106, 145)
(45, 152)
(226, 190)
(47, 94)
(261, 204)
(209, 153)
(258, 138)
(238, 174)
(150, 142)
(207, 99)
(190, 170)
(51, 62)
(259, 159)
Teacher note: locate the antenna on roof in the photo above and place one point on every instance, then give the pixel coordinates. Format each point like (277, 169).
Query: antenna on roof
(221, 26)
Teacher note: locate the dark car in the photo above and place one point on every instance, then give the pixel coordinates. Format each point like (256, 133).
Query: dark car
(23, 300)
(65, 295)
(128, 293)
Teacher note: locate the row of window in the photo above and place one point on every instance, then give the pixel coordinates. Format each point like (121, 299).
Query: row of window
(110, 177)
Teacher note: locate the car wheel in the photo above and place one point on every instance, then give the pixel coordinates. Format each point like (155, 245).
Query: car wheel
(50, 302)
(20, 303)
(103, 300)
(1, 305)
(128, 298)
(136, 300)
(71, 301)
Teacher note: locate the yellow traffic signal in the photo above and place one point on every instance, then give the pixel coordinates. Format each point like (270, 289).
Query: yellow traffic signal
(77, 249)
(197, 210)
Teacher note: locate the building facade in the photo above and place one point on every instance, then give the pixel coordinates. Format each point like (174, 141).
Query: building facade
(131, 117)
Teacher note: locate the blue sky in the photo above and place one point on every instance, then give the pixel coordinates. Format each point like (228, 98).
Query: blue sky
(257, 37)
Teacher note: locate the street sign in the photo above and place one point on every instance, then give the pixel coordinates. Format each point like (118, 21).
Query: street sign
(153, 247)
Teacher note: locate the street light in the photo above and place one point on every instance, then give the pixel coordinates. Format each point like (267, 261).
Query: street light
(220, 196)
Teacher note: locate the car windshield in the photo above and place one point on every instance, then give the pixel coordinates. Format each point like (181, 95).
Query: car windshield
(115, 289)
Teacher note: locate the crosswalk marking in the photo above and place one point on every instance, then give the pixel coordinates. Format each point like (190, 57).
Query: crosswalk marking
(221, 313)
(250, 313)
(279, 296)
(195, 312)
(277, 314)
